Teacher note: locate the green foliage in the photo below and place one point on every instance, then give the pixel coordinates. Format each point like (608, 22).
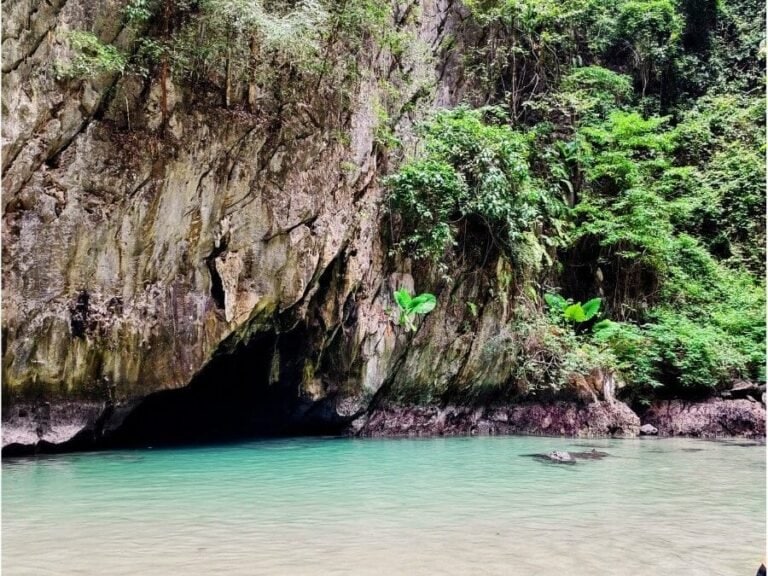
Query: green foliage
(384, 135)
(410, 306)
(364, 19)
(595, 91)
(91, 58)
(724, 204)
(528, 44)
(241, 41)
(668, 191)
(573, 312)
(725, 42)
(252, 50)
(556, 302)
(652, 30)
(138, 12)
(643, 206)
(471, 171)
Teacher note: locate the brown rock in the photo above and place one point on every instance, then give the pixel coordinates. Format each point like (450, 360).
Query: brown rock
(709, 419)
(598, 419)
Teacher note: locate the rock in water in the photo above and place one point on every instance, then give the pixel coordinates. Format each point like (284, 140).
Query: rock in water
(560, 456)
(648, 430)
(591, 455)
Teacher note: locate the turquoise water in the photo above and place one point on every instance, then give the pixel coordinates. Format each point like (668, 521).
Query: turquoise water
(360, 507)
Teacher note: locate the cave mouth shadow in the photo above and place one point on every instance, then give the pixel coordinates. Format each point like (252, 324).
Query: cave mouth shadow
(234, 397)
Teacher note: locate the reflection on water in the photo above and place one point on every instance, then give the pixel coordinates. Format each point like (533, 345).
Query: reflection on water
(437, 506)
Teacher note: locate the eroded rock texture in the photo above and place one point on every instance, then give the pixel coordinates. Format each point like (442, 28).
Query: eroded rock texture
(596, 419)
(140, 242)
(711, 419)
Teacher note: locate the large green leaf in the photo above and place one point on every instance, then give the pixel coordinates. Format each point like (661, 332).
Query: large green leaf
(575, 313)
(403, 299)
(591, 307)
(423, 303)
(555, 301)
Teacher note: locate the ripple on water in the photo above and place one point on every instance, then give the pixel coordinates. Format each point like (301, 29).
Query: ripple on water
(421, 506)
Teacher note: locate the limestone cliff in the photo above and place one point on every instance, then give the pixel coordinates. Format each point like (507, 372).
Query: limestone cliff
(148, 228)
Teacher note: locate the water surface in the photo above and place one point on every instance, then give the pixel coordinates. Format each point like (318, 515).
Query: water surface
(363, 507)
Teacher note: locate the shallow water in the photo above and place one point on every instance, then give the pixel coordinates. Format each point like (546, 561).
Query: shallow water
(362, 507)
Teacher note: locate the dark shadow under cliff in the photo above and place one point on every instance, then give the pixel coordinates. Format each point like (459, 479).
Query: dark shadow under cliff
(252, 390)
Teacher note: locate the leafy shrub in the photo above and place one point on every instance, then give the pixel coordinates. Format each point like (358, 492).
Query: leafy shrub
(472, 171)
(723, 137)
(573, 312)
(594, 90)
(528, 44)
(410, 306)
(652, 29)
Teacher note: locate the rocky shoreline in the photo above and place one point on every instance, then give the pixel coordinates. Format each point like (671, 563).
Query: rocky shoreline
(714, 418)
(71, 427)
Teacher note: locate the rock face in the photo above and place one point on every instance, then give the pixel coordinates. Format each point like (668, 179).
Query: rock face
(140, 245)
(30, 423)
(598, 419)
(716, 417)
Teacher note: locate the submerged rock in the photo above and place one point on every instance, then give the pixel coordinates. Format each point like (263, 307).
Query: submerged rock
(554, 457)
(566, 457)
(591, 455)
(560, 456)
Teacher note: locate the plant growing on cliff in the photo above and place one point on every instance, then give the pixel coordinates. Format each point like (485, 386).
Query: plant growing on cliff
(410, 306)
(650, 31)
(91, 57)
(474, 172)
(575, 312)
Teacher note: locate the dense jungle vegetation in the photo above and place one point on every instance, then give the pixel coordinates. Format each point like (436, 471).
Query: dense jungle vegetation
(614, 149)
(608, 149)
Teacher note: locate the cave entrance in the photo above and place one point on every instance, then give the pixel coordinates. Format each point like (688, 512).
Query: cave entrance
(252, 390)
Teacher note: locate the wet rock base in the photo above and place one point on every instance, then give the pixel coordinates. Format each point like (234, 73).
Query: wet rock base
(715, 418)
(597, 419)
(71, 427)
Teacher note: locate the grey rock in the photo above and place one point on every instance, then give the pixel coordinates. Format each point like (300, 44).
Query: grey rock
(648, 430)
(132, 255)
(560, 456)
(600, 419)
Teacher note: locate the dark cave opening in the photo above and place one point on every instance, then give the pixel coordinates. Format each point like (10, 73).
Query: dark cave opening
(217, 286)
(249, 392)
